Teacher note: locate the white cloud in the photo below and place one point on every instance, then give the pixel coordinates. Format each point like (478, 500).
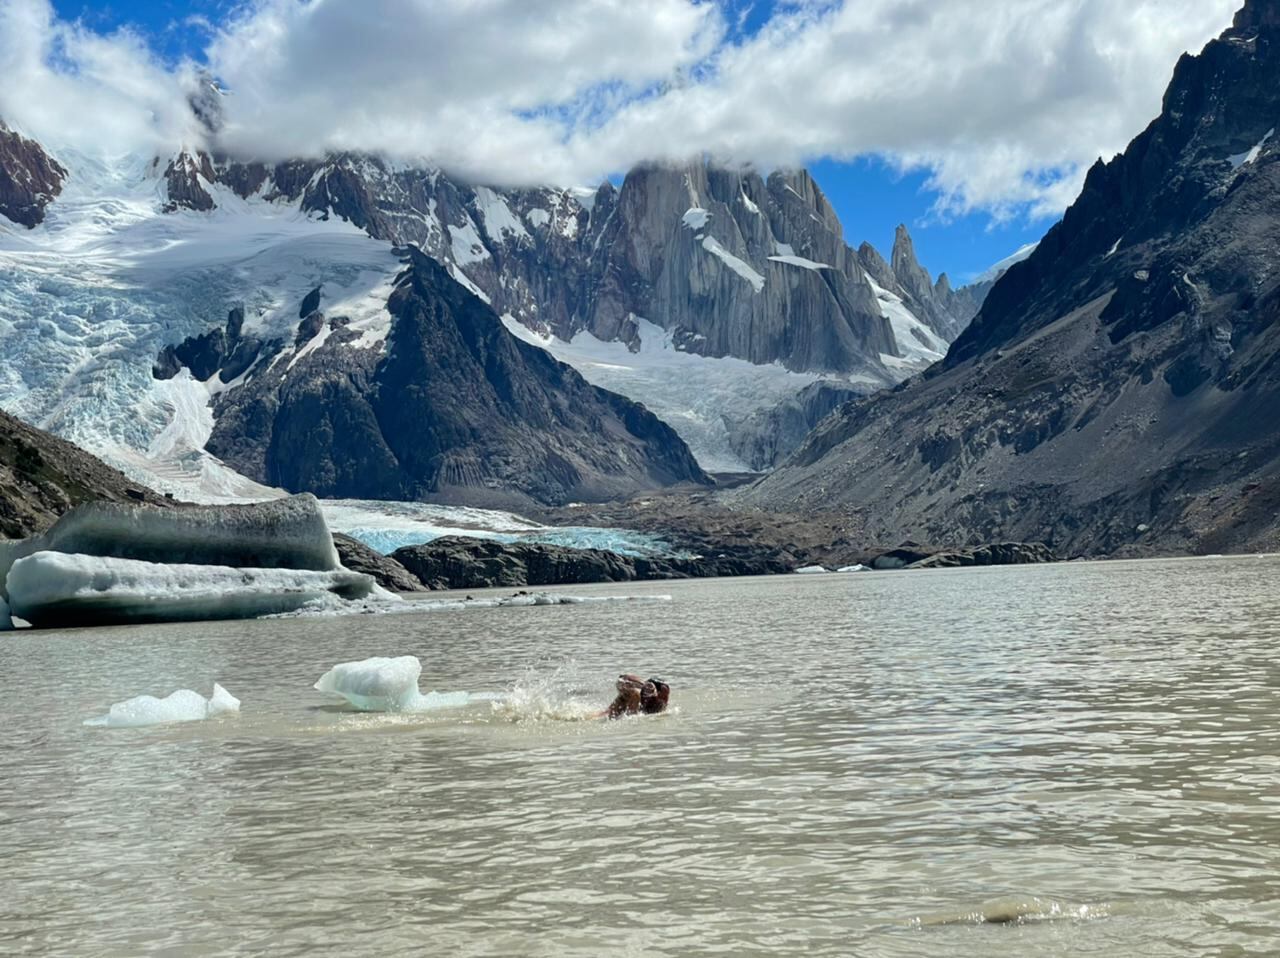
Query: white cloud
(73, 88)
(1005, 102)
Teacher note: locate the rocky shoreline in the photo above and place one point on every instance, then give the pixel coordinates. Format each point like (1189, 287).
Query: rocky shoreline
(462, 562)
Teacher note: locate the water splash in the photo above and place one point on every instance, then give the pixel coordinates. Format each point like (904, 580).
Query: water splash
(558, 695)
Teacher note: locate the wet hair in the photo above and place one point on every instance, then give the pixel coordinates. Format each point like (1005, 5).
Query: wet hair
(659, 683)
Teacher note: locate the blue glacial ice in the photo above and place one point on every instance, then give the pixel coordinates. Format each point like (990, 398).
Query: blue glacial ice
(183, 705)
(387, 526)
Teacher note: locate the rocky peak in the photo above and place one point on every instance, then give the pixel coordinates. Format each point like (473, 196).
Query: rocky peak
(454, 409)
(907, 268)
(186, 181)
(1257, 14)
(1216, 134)
(1116, 393)
(30, 178)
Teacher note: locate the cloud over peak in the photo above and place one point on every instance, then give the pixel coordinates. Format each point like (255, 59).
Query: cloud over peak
(1004, 102)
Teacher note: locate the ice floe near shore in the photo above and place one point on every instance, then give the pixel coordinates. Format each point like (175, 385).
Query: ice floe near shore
(389, 685)
(54, 589)
(280, 534)
(108, 564)
(183, 705)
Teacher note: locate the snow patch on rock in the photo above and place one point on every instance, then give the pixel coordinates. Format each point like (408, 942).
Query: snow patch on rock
(742, 268)
(696, 218)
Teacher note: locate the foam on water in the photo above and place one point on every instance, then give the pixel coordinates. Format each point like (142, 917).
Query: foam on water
(184, 705)
(328, 606)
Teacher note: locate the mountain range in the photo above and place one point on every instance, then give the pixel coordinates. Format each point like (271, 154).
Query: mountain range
(358, 327)
(726, 302)
(1117, 392)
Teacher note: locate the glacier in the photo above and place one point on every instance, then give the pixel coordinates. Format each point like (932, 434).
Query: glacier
(386, 526)
(89, 298)
(702, 398)
(183, 705)
(389, 685)
(62, 590)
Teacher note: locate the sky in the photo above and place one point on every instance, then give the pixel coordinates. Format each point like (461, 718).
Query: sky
(972, 121)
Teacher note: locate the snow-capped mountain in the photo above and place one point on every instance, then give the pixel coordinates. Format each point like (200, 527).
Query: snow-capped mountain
(712, 296)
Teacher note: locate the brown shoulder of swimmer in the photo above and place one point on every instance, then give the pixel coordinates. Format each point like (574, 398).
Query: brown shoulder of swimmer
(637, 696)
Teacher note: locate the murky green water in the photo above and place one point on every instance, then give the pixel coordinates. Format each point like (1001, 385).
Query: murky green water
(854, 762)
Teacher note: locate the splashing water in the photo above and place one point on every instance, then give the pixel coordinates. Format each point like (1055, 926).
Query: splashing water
(558, 695)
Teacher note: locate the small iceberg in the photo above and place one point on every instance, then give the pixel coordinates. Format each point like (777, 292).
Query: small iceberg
(389, 685)
(854, 568)
(183, 705)
(55, 589)
(811, 570)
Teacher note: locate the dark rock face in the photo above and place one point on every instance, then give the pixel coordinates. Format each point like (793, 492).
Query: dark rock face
(1000, 553)
(42, 477)
(729, 263)
(1116, 394)
(455, 409)
(387, 572)
(459, 562)
(185, 178)
(30, 179)
(767, 438)
(225, 351)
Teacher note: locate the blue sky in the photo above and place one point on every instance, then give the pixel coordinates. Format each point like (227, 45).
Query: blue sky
(869, 194)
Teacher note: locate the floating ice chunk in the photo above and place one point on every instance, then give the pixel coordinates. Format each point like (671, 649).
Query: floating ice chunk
(284, 533)
(853, 568)
(52, 589)
(183, 705)
(811, 570)
(389, 685)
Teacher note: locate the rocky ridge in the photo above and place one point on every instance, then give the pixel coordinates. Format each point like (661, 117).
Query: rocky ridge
(1114, 395)
(30, 179)
(454, 409)
(42, 477)
(729, 262)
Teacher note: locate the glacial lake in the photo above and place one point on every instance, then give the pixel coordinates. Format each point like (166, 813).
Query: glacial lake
(855, 764)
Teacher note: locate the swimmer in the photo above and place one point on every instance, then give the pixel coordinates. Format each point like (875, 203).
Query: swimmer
(637, 696)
